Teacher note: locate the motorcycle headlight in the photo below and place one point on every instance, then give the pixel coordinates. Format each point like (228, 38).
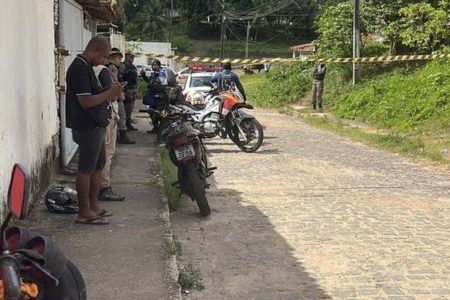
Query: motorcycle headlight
(197, 99)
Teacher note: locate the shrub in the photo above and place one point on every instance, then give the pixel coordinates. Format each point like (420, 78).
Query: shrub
(285, 83)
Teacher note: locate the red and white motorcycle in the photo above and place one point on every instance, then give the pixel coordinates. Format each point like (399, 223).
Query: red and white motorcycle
(222, 115)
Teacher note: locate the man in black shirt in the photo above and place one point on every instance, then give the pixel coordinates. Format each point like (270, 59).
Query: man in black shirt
(84, 92)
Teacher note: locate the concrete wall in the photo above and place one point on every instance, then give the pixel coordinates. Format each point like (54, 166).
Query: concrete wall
(28, 110)
(118, 41)
(158, 48)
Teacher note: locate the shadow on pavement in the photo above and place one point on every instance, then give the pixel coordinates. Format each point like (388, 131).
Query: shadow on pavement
(239, 252)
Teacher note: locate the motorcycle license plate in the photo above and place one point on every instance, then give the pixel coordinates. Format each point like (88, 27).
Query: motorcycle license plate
(184, 151)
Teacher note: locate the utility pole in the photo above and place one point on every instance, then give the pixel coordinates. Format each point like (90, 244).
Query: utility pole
(222, 30)
(171, 20)
(246, 42)
(356, 41)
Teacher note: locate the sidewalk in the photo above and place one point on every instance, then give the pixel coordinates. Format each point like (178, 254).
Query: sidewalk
(125, 259)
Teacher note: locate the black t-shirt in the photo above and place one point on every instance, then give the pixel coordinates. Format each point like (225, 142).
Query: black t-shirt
(105, 78)
(81, 80)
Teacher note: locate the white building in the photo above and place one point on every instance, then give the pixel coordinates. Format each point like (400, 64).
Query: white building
(32, 81)
(144, 48)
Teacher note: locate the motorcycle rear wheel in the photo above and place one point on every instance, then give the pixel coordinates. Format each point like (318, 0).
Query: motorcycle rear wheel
(250, 127)
(197, 187)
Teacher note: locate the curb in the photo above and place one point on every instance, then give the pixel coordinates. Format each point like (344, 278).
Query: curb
(171, 272)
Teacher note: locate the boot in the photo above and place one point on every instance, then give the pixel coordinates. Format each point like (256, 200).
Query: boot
(107, 194)
(123, 138)
(130, 127)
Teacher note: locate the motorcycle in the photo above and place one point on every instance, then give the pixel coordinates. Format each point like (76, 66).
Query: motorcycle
(222, 116)
(32, 266)
(188, 154)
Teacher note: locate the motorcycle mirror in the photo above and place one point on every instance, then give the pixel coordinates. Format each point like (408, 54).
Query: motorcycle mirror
(18, 192)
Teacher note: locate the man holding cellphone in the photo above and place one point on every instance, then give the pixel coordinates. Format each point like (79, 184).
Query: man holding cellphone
(84, 92)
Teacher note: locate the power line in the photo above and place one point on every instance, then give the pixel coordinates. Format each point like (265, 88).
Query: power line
(254, 43)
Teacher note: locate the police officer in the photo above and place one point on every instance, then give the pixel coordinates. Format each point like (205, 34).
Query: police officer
(157, 84)
(114, 66)
(318, 79)
(130, 75)
(227, 78)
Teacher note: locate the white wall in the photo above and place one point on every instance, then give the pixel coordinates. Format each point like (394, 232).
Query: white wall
(158, 48)
(28, 111)
(118, 41)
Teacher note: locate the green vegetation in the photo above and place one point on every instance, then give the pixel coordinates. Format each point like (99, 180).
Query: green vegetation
(409, 101)
(283, 84)
(401, 102)
(232, 48)
(169, 171)
(190, 278)
(173, 247)
(410, 145)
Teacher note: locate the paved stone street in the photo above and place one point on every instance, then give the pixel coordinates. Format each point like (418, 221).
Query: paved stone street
(312, 215)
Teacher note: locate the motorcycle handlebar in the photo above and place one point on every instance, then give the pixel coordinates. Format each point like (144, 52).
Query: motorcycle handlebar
(10, 277)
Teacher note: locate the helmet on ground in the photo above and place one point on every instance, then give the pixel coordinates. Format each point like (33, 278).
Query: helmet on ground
(60, 200)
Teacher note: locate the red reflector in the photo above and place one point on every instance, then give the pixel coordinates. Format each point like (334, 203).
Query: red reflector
(180, 140)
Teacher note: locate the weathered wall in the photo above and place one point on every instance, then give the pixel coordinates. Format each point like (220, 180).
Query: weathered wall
(155, 47)
(28, 110)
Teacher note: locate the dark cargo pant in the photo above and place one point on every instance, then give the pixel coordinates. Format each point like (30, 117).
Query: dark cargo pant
(317, 93)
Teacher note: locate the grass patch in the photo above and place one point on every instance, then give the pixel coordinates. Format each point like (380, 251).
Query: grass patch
(401, 102)
(169, 175)
(410, 145)
(190, 278)
(173, 247)
(283, 84)
(411, 102)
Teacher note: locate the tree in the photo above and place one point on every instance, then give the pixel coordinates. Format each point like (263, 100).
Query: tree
(423, 27)
(150, 22)
(335, 28)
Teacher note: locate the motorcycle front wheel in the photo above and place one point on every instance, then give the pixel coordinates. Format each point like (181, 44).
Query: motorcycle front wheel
(253, 135)
(197, 187)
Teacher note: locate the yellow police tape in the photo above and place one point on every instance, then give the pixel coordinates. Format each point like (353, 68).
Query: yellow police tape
(378, 59)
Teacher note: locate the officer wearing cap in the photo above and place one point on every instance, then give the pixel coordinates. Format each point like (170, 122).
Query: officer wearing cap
(114, 66)
(157, 84)
(130, 75)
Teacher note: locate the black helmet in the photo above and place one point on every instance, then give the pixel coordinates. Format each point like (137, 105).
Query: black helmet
(226, 66)
(156, 62)
(60, 200)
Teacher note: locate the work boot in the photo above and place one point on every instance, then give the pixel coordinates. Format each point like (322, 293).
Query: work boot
(107, 194)
(153, 131)
(123, 138)
(130, 127)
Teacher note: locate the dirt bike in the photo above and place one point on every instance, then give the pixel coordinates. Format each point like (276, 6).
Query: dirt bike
(187, 152)
(32, 266)
(223, 116)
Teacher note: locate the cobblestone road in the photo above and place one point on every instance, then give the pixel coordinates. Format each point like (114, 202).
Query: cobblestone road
(313, 215)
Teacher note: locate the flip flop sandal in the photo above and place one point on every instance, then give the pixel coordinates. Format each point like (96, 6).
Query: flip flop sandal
(104, 214)
(93, 221)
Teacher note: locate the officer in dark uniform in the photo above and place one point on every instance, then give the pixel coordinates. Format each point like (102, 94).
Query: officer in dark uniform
(130, 75)
(157, 90)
